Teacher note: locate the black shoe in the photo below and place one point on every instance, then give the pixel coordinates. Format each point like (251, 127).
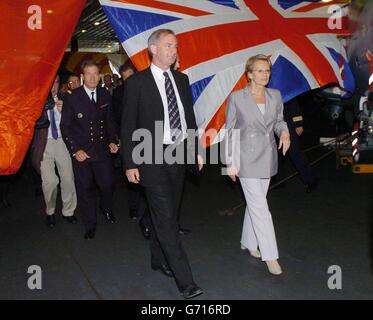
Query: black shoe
(50, 221)
(164, 269)
(133, 214)
(184, 231)
(90, 233)
(109, 217)
(71, 219)
(312, 186)
(191, 291)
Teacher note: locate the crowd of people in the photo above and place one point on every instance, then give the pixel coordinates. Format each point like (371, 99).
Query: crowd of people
(84, 126)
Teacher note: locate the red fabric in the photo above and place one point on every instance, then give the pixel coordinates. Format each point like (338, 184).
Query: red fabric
(29, 60)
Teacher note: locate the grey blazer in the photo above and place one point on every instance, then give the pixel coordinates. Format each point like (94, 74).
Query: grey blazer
(254, 152)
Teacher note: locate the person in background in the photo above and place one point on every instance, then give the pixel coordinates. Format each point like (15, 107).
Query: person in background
(73, 82)
(294, 120)
(48, 151)
(108, 83)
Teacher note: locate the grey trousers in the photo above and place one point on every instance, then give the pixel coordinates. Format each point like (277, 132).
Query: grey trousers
(258, 227)
(56, 154)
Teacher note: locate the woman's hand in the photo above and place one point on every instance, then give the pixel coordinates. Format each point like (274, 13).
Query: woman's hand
(284, 142)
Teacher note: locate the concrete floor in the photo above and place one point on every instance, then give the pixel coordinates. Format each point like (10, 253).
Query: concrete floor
(332, 226)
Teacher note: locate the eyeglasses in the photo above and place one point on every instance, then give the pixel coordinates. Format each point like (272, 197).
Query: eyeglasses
(261, 71)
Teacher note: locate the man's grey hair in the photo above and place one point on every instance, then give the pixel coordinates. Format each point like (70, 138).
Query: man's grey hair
(154, 37)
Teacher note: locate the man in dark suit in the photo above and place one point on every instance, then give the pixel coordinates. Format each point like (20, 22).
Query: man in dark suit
(138, 209)
(126, 70)
(159, 100)
(90, 134)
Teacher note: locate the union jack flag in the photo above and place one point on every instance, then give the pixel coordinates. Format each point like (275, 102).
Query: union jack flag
(216, 37)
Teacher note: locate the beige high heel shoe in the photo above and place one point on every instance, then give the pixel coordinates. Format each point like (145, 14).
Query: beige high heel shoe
(255, 254)
(274, 267)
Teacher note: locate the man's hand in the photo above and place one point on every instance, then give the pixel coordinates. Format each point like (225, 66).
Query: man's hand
(200, 162)
(59, 105)
(133, 175)
(299, 130)
(113, 148)
(81, 155)
(232, 173)
(284, 142)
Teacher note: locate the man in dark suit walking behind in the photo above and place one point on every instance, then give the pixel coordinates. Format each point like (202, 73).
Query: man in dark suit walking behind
(90, 134)
(159, 95)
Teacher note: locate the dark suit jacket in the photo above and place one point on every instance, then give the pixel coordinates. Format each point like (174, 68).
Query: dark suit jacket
(118, 106)
(143, 106)
(40, 137)
(88, 126)
(293, 114)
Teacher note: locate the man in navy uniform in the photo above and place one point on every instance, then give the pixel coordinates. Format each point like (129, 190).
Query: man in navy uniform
(90, 134)
(294, 120)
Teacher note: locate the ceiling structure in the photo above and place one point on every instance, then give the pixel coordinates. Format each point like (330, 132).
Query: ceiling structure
(93, 33)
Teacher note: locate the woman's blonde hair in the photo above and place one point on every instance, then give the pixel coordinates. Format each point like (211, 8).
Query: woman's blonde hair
(259, 57)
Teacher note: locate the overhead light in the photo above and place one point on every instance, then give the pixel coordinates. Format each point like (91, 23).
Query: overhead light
(84, 30)
(109, 46)
(97, 23)
(49, 11)
(326, 0)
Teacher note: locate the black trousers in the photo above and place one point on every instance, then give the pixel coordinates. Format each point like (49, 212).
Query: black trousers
(88, 175)
(137, 201)
(164, 199)
(298, 158)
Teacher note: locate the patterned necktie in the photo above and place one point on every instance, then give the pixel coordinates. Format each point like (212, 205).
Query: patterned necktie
(53, 124)
(173, 110)
(93, 97)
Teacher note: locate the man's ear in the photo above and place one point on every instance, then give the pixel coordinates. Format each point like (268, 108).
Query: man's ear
(153, 49)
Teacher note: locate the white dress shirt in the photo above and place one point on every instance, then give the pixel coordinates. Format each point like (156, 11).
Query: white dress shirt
(160, 80)
(57, 118)
(262, 107)
(89, 92)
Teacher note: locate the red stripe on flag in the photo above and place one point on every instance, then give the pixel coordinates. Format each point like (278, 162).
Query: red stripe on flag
(167, 6)
(218, 120)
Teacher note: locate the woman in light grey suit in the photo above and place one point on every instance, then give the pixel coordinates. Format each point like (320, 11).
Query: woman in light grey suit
(256, 112)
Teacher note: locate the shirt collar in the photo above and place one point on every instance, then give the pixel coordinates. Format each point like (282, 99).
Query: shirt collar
(89, 90)
(158, 72)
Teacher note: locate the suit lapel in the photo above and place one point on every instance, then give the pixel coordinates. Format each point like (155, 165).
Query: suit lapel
(179, 87)
(98, 97)
(269, 107)
(152, 89)
(85, 98)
